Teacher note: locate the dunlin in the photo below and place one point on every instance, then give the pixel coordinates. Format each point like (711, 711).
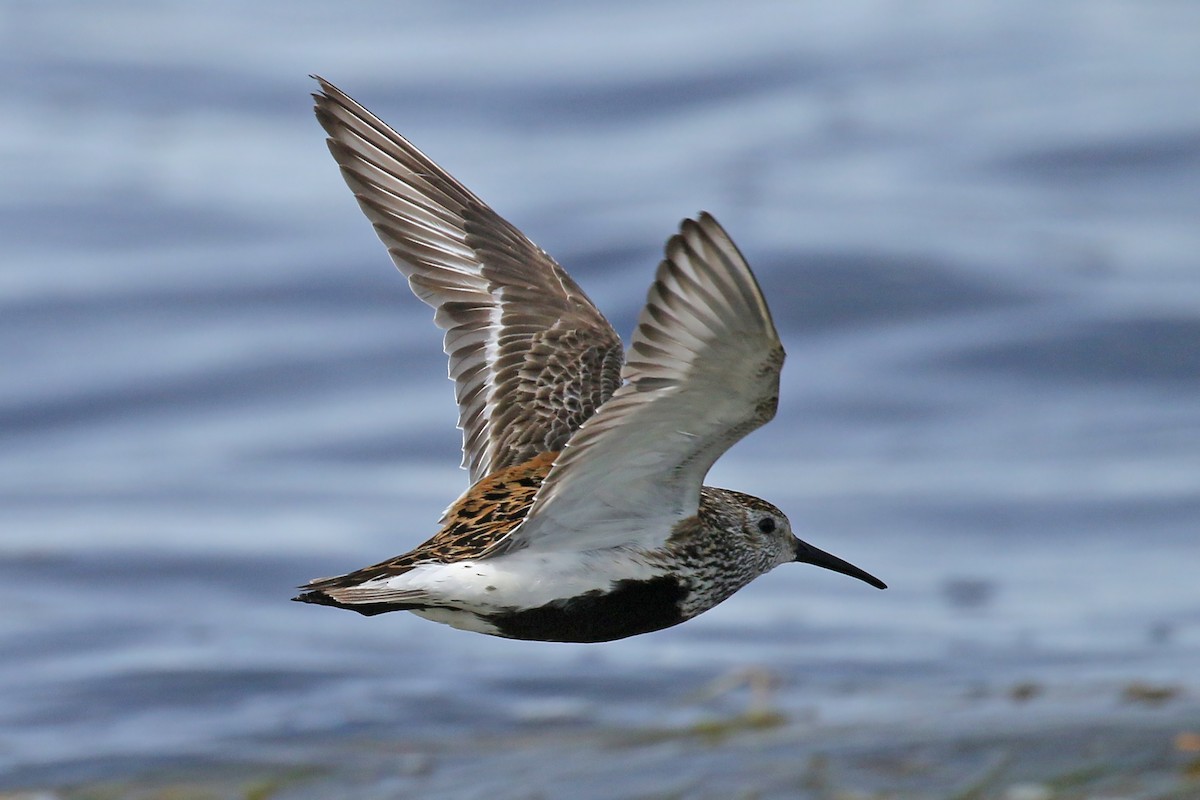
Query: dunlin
(587, 519)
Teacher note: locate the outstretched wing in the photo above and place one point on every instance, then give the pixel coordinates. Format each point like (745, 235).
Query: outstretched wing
(702, 372)
(530, 355)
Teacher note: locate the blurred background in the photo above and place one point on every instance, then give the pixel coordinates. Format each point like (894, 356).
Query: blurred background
(977, 225)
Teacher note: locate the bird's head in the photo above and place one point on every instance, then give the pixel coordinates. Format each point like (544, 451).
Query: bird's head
(770, 530)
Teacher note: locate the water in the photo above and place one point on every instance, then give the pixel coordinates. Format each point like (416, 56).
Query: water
(977, 228)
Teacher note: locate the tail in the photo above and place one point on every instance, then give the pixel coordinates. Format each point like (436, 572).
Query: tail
(367, 598)
(366, 609)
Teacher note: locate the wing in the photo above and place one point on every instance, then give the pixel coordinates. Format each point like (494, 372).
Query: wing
(530, 355)
(702, 372)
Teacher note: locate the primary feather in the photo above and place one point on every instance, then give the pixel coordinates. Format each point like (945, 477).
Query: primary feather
(530, 355)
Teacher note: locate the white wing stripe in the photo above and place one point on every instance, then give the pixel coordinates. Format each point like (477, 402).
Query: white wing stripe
(480, 274)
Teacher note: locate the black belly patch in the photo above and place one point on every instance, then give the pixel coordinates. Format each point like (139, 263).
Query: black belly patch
(630, 608)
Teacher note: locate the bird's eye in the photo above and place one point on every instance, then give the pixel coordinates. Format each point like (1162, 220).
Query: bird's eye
(767, 524)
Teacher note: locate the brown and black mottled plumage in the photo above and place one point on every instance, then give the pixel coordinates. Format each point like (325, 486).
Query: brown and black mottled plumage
(475, 524)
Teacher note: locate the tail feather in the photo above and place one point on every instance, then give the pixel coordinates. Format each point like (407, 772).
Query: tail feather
(367, 609)
(367, 599)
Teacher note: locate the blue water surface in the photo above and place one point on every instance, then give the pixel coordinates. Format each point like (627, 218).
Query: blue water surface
(977, 225)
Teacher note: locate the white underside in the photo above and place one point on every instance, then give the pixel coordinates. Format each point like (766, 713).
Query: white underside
(463, 620)
(524, 579)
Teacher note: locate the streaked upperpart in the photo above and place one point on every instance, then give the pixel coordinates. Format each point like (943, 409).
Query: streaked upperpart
(587, 519)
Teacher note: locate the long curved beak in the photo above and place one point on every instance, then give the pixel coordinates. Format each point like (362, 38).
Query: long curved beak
(807, 554)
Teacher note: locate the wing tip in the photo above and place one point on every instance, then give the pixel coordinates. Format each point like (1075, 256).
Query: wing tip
(704, 240)
(327, 92)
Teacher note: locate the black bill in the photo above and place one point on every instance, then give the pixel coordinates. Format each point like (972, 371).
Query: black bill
(807, 554)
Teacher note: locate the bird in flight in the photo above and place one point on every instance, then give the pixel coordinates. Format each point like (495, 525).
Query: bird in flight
(587, 519)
